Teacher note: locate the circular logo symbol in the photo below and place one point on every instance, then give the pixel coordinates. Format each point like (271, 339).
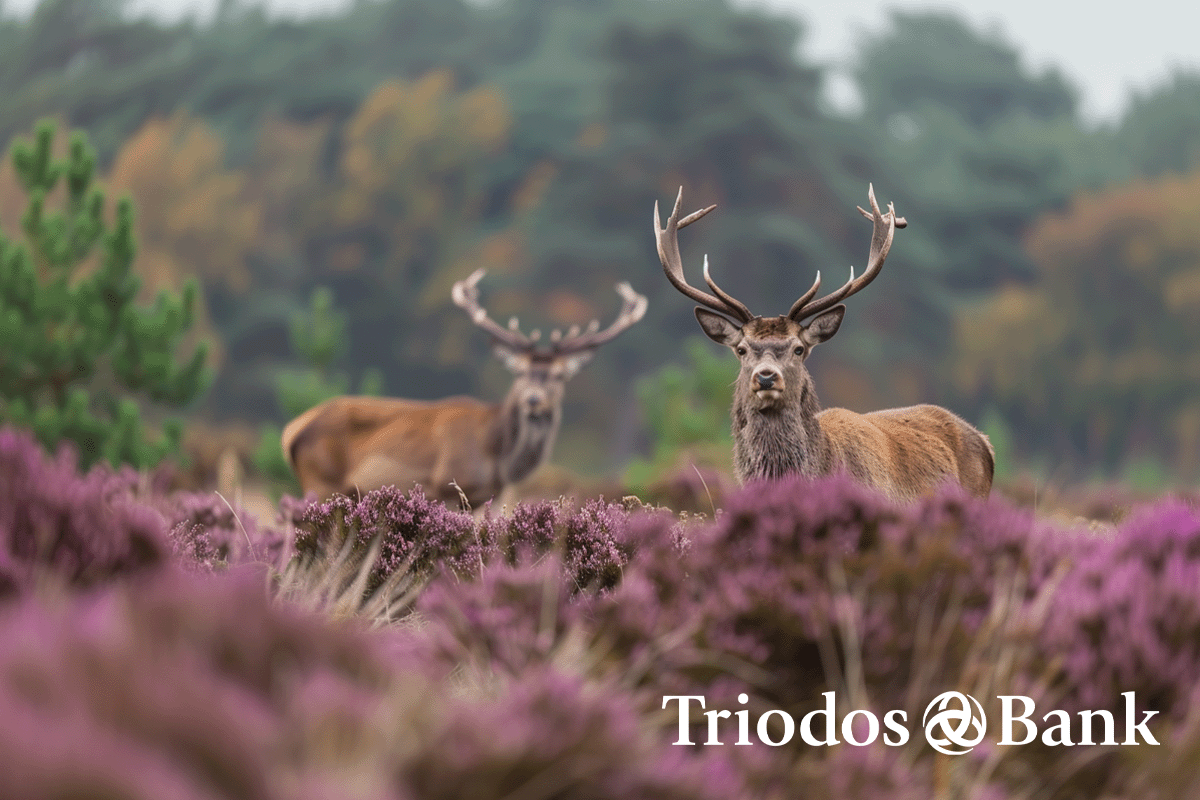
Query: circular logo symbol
(957, 714)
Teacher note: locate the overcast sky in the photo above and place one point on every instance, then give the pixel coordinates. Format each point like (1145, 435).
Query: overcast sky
(1105, 51)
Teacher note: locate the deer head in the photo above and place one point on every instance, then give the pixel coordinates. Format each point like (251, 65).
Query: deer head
(772, 350)
(534, 403)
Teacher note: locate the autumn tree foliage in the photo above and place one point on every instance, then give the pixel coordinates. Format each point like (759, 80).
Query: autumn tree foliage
(77, 349)
(398, 216)
(195, 216)
(1098, 360)
(409, 168)
(286, 176)
(406, 203)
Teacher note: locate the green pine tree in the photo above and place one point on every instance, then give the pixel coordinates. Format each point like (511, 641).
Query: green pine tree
(77, 352)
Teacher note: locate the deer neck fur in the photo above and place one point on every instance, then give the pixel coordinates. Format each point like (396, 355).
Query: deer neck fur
(523, 440)
(781, 439)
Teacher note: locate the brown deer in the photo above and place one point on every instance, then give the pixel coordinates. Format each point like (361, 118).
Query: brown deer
(355, 444)
(778, 425)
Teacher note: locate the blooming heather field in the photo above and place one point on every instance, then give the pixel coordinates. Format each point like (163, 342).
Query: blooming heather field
(169, 646)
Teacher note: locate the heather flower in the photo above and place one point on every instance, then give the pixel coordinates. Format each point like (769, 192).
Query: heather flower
(750, 589)
(511, 618)
(416, 533)
(595, 549)
(422, 536)
(208, 533)
(650, 623)
(554, 735)
(514, 617)
(595, 540)
(873, 772)
(184, 687)
(192, 547)
(798, 581)
(528, 530)
(81, 529)
(1127, 616)
(200, 687)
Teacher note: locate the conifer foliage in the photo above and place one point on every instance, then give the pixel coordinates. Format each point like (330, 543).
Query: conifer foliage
(78, 352)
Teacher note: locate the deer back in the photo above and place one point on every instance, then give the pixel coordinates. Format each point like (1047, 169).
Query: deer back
(356, 444)
(908, 452)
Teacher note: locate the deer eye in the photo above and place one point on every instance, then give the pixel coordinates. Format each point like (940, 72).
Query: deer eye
(741, 351)
(799, 350)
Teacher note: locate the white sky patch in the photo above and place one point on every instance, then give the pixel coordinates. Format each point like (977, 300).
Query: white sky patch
(1104, 49)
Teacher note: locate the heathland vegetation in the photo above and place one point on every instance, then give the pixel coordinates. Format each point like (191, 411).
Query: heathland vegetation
(165, 644)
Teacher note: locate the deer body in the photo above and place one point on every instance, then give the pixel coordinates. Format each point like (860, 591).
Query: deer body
(350, 444)
(778, 425)
(903, 452)
(356, 444)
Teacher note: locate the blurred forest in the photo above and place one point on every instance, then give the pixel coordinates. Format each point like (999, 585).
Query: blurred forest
(1048, 284)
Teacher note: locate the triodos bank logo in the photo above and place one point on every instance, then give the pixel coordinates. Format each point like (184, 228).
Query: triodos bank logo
(954, 723)
(959, 719)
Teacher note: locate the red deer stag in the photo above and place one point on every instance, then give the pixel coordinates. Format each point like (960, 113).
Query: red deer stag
(355, 444)
(778, 425)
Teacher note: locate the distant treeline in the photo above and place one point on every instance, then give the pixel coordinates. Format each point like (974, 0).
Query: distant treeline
(1048, 281)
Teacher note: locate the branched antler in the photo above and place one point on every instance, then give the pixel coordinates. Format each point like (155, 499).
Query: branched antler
(668, 252)
(632, 309)
(884, 228)
(466, 295)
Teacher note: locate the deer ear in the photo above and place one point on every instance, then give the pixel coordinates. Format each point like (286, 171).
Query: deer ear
(824, 326)
(514, 361)
(717, 328)
(575, 362)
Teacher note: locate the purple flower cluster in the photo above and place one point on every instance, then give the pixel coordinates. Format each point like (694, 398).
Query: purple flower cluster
(796, 571)
(207, 533)
(177, 687)
(509, 620)
(79, 530)
(200, 686)
(1127, 616)
(415, 533)
(544, 639)
(595, 540)
(551, 734)
(418, 534)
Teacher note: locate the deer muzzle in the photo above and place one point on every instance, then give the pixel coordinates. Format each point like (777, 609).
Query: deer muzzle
(537, 404)
(765, 380)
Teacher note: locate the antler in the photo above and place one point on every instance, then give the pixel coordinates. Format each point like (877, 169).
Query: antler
(466, 296)
(668, 252)
(884, 228)
(632, 310)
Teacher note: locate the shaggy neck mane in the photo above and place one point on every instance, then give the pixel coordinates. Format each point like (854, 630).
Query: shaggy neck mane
(524, 442)
(778, 441)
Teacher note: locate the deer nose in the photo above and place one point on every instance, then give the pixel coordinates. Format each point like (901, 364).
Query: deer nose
(765, 379)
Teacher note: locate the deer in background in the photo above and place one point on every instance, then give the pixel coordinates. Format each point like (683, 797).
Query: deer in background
(778, 425)
(355, 444)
